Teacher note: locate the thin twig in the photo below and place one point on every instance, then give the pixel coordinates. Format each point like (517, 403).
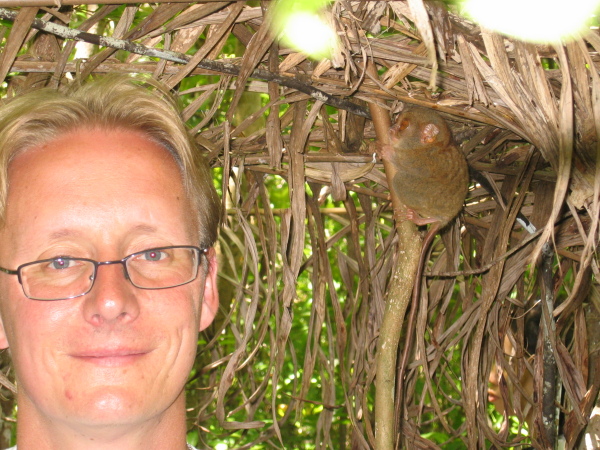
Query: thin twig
(181, 58)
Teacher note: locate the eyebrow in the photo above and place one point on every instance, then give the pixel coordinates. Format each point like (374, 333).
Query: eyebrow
(64, 232)
(70, 232)
(143, 228)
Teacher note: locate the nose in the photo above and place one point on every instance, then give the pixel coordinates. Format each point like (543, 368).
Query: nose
(112, 298)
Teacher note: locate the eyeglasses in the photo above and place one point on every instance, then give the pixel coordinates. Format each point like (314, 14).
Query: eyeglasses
(63, 277)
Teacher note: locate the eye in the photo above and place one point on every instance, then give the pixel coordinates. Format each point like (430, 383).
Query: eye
(153, 255)
(404, 124)
(60, 263)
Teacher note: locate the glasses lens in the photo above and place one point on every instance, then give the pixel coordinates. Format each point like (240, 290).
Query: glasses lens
(57, 279)
(161, 268)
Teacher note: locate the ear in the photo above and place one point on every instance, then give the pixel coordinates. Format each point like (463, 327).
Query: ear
(429, 133)
(3, 338)
(210, 302)
(404, 124)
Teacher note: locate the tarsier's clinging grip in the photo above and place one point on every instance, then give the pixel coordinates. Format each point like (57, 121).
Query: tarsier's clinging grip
(431, 176)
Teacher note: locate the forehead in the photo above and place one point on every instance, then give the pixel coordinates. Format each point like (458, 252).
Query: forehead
(90, 177)
(105, 158)
(92, 146)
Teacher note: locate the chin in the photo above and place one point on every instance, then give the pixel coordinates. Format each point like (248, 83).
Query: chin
(111, 407)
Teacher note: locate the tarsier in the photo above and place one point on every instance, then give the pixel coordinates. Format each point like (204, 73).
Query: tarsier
(431, 179)
(432, 175)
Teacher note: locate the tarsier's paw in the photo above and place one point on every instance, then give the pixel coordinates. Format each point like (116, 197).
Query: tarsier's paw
(411, 215)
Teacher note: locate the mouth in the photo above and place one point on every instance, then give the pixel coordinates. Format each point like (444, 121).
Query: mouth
(110, 357)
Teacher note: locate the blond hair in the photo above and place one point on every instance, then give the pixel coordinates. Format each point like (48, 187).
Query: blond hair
(121, 102)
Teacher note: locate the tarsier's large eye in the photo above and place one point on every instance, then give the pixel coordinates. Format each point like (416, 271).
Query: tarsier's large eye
(404, 124)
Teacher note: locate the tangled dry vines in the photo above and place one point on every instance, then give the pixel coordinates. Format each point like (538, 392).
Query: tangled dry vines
(304, 284)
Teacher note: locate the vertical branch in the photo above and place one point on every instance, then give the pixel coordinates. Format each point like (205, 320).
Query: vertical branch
(550, 414)
(399, 294)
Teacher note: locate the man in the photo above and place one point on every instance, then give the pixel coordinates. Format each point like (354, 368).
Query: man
(108, 218)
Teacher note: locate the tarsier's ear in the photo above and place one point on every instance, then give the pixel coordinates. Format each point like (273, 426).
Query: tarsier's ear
(428, 133)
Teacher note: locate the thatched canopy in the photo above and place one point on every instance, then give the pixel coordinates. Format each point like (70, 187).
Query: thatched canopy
(308, 239)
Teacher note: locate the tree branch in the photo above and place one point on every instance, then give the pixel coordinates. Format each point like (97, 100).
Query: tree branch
(398, 298)
(13, 3)
(181, 58)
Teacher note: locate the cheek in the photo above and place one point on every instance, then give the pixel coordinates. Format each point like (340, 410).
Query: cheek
(189, 299)
(177, 328)
(35, 343)
(37, 329)
(175, 314)
(186, 312)
(13, 308)
(32, 327)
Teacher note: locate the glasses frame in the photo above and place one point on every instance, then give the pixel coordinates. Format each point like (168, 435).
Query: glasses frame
(199, 252)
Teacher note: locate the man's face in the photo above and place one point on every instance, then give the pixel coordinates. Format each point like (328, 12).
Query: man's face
(118, 355)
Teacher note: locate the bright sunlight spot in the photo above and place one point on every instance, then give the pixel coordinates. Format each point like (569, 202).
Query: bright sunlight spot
(308, 33)
(301, 25)
(221, 447)
(541, 21)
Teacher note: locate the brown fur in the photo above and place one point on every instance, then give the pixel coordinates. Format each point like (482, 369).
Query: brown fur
(432, 176)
